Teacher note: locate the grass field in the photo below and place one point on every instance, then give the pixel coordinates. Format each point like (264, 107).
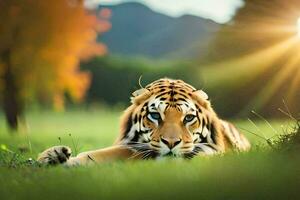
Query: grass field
(254, 175)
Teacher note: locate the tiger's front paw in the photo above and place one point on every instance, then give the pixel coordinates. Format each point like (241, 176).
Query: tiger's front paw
(55, 155)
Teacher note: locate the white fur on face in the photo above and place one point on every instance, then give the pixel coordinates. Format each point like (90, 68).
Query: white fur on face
(165, 149)
(186, 107)
(156, 105)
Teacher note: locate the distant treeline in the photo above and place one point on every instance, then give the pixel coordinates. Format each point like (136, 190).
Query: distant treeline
(115, 78)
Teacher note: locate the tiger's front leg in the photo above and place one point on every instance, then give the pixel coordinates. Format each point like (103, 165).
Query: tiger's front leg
(102, 155)
(61, 155)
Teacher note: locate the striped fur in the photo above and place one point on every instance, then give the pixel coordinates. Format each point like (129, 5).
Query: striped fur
(173, 103)
(167, 118)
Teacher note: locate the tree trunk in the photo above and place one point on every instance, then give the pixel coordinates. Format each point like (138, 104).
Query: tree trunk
(11, 102)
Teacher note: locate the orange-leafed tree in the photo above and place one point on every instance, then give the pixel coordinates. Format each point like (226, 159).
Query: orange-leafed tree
(41, 45)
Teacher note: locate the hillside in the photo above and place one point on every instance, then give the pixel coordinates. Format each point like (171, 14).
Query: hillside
(138, 30)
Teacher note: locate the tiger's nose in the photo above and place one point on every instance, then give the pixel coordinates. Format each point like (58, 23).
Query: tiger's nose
(171, 142)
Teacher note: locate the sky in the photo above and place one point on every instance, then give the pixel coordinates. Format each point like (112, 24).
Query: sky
(220, 11)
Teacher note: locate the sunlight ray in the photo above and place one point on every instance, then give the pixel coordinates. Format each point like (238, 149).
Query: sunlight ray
(247, 66)
(271, 87)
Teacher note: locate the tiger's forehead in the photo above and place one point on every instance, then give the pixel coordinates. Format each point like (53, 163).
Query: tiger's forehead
(171, 94)
(169, 84)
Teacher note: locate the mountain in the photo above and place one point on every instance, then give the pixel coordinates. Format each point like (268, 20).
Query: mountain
(138, 30)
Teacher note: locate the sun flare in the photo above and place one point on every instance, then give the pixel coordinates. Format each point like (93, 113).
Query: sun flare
(298, 26)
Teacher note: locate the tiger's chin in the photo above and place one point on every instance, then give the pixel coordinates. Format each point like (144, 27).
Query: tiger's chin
(170, 154)
(180, 156)
(162, 155)
(176, 154)
(159, 153)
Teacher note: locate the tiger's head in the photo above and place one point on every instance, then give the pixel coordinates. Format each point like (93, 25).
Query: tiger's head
(169, 118)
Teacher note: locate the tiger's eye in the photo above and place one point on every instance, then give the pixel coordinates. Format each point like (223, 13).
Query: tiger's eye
(188, 118)
(155, 115)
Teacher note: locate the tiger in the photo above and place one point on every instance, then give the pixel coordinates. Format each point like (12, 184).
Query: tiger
(167, 118)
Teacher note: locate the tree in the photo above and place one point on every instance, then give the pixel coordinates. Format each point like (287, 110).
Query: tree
(41, 45)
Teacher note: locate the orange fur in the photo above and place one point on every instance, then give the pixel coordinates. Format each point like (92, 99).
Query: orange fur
(157, 120)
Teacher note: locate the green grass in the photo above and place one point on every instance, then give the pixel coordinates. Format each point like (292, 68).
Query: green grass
(254, 175)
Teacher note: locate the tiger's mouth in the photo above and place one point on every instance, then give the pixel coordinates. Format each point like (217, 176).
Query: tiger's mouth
(170, 154)
(147, 151)
(187, 155)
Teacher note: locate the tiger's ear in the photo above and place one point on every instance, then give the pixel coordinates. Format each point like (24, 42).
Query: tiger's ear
(139, 92)
(202, 98)
(201, 94)
(140, 95)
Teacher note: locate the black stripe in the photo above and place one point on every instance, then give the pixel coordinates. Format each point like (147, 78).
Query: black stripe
(210, 145)
(213, 133)
(193, 122)
(173, 93)
(136, 136)
(202, 124)
(145, 104)
(135, 120)
(183, 95)
(203, 139)
(128, 126)
(161, 94)
(182, 99)
(198, 108)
